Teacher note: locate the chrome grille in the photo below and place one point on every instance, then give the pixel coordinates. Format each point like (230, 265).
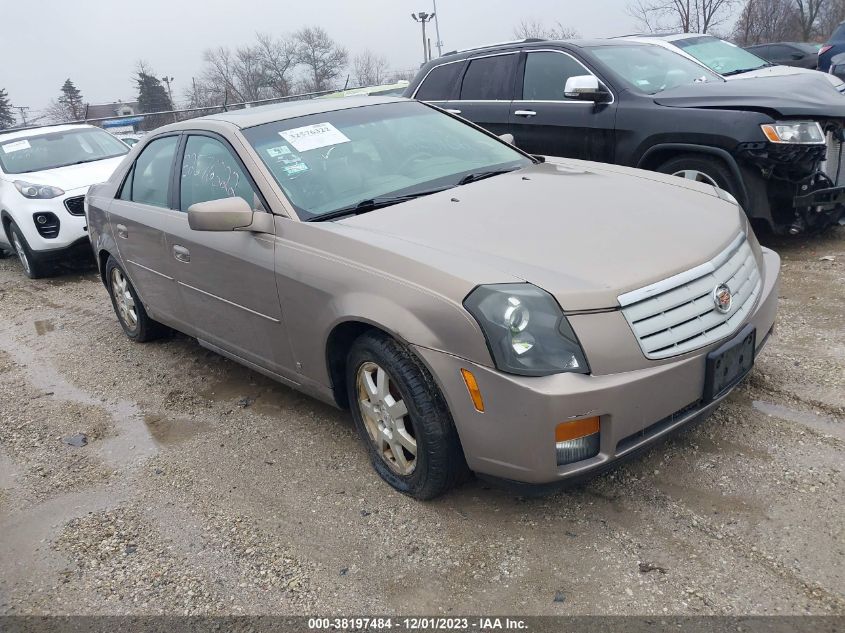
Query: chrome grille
(679, 314)
(76, 205)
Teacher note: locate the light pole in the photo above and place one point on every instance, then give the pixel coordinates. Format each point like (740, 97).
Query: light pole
(439, 42)
(422, 17)
(167, 80)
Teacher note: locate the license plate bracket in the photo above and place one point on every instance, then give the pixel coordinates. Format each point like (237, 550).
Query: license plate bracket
(730, 363)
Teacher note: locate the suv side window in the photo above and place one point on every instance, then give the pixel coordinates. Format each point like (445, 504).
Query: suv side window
(546, 73)
(489, 79)
(210, 172)
(438, 84)
(150, 176)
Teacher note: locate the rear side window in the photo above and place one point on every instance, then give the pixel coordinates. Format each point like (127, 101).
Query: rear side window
(489, 78)
(150, 176)
(210, 172)
(439, 83)
(546, 74)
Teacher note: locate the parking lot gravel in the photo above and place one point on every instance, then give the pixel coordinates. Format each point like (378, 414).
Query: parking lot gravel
(162, 478)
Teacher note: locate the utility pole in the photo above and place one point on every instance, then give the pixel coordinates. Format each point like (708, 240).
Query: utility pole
(23, 110)
(439, 42)
(422, 17)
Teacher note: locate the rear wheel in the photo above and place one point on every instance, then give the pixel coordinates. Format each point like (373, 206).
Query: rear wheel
(402, 418)
(33, 264)
(699, 168)
(133, 318)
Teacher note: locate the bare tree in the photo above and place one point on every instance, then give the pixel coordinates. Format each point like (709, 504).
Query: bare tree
(689, 16)
(766, 21)
(370, 69)
(279, 58)
(830, 16)
(218, 76)
(323, 59)
(56, 112)
(808, 15)
(531, 29)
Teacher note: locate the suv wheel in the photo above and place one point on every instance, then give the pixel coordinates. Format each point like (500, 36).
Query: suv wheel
(701, 169)
(133, 318)
(33, 264)
(402, 418)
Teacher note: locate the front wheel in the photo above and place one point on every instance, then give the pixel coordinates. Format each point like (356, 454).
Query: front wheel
(699, 168)
(402, 418)
(33, 264)
(133, 318)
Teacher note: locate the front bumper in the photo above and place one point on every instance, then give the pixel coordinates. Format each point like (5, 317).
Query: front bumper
(514, 438)
(72, 228)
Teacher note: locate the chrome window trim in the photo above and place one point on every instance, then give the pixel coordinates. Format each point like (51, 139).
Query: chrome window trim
(581, 64)
(431, 70)
(468, 60)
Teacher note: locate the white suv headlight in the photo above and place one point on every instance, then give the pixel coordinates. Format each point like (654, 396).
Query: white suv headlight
(794, 132)
(37, 192)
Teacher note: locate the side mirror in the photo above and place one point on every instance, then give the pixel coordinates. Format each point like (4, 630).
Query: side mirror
(507, 138)
(797, 56)
(585, 88)
(228, 214)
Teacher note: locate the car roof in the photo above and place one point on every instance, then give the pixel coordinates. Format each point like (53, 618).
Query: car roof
(517, 44)
(40, 131)
(669, 37)
(250, 117)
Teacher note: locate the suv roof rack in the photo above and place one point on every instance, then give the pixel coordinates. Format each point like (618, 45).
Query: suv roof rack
(526, 40)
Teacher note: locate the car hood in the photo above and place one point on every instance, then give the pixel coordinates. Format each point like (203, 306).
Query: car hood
(73, 176)
(782, 71)
(808, 95)
(583, 231)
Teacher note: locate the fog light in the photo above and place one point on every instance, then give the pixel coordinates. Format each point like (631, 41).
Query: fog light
(577, 440)
(41, 219)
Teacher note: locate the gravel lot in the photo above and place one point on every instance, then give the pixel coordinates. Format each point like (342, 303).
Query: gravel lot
(201, 487)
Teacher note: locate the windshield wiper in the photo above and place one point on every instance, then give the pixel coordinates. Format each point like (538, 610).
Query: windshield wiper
(372, 204)
(481, 175)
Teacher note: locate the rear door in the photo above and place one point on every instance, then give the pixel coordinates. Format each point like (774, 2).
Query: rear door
(140, 218)
(544, 121)
(487, 91)
(226, 279)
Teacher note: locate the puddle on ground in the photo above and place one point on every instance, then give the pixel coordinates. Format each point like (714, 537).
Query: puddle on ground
(828, 426)
(253, 390)
(44, 326)
(167, 431)
(710, 502)
(8, 472)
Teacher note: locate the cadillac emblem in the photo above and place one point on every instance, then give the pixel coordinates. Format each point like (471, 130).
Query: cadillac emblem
(723, 298)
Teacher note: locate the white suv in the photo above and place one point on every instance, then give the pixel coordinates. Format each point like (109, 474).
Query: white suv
(44, 175)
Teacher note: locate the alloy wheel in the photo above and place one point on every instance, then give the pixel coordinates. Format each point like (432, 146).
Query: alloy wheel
(386, 418)
(123, 299)
(698, 176)
(19, 249)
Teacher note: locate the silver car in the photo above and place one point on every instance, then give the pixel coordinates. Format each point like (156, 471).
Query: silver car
(478, 309)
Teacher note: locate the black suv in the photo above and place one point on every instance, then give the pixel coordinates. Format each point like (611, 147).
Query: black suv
(774, 142)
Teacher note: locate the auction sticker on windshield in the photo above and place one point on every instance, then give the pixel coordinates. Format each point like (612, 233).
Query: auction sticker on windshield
(16, 146)
(315, 136)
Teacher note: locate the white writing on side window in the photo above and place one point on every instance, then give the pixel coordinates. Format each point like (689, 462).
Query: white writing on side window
(16, 146)
(314, 136)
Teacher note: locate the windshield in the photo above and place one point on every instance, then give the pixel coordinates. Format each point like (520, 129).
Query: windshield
(652, 69)
(334, 160)
(58, 149)
(723, 57)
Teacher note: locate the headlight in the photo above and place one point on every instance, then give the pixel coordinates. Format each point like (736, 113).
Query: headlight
(794, 132)
(526, 330)
(37, 192)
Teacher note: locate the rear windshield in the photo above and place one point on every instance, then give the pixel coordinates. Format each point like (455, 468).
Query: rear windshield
(723, 57)
(58, 149)
(652, 69)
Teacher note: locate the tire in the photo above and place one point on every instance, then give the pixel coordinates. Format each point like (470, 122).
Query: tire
(33, 264)
(712, 170)
(439, 463)
(133, 318)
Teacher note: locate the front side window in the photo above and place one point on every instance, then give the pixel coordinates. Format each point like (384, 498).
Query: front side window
(24, 155)
(439, 83)
(489, 79)
(651, 69)
(723, 57)
(546, 74)
(150, 177)
(329, 161)
(210, 172)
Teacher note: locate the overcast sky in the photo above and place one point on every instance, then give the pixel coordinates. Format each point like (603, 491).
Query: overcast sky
(97, 42)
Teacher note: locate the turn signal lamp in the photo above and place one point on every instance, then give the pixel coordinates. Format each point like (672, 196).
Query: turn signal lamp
(577, 439)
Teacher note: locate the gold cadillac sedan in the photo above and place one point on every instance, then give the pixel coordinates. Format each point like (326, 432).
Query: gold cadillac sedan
(528, 318)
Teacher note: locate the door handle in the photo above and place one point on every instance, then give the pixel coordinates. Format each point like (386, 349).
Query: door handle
(181, 253)
(122, 231)
(452, 111)
(525, 113)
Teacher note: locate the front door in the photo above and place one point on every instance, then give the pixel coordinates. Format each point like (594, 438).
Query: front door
(544, 121)
(140, 218)
(227, 279)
